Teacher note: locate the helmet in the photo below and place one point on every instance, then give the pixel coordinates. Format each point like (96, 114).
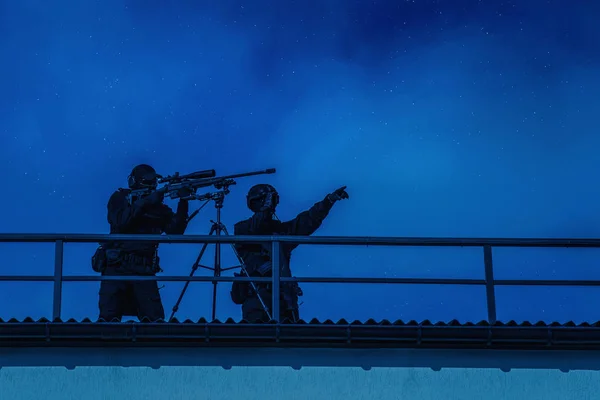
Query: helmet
(257, 194)
(142, 176)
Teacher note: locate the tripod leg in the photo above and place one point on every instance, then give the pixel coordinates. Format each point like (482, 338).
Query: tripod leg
(217, 273)
(217, 268)
(252, 284)
(194, 268)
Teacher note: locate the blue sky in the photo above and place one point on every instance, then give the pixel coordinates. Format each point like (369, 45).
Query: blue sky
(443, 118)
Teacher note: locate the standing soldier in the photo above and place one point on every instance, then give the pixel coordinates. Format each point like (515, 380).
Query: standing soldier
(144, 214)
(262, 200)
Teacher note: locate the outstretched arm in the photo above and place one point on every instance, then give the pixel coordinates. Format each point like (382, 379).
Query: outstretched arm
(307, 222)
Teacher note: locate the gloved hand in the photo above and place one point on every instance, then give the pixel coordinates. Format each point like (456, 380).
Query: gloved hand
(156, 197)
(339, 194)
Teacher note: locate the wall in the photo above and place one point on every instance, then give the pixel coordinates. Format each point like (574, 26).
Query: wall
(214, 382)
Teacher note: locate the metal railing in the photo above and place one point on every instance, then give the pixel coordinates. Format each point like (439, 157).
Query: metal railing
(276, 241)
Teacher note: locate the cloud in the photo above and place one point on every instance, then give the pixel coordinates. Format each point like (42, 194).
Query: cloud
(443, 118)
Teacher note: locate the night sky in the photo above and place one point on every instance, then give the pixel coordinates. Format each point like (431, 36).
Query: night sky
(457, 118)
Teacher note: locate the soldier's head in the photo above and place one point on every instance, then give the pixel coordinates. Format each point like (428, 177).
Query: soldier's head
(255, 199)
(143, 176)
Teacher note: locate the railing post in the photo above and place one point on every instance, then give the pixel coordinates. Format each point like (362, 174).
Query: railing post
(490, 292)
(58, 272)
(276, 268)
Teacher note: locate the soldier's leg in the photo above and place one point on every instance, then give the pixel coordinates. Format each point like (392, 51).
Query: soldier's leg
(290, 315)
(253, 314)
(110, 300)
(253, 311)
(289, 306)
(149, 303)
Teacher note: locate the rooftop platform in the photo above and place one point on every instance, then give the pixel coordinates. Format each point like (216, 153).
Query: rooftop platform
(383, 342)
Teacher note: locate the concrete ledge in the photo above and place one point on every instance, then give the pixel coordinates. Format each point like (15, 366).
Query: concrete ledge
(366, 359)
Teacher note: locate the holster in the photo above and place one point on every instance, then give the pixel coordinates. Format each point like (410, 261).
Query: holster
(105, 258)
(290, 292)
(239, 290)
(99, 260)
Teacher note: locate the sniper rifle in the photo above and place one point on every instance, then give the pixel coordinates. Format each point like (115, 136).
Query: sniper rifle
(174, 185)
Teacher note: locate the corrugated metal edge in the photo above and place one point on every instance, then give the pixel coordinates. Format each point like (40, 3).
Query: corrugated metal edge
(314, 321)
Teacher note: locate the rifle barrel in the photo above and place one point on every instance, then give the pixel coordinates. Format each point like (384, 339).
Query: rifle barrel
(198, 183)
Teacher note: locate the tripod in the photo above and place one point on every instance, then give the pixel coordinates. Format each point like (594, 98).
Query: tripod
(217, 228)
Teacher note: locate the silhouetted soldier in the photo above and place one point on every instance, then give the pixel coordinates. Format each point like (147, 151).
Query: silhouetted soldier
(262, 200)
(144, 214)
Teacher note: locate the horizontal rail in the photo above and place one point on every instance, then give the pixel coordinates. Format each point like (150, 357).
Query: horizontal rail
(320, 240)
(31, 278)
(58, 278)
(397, 281)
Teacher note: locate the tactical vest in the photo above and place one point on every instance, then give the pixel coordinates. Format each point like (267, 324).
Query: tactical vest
(151, 222)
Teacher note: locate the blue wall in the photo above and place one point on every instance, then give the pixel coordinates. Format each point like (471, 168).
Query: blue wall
(314, 383)
(289, 374)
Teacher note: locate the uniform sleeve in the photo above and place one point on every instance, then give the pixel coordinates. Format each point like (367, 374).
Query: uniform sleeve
(121, 215)
(240, 228)
(176, 221)
(307, 222)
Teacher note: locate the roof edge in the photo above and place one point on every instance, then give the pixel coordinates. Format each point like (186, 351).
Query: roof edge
(227, 358)
(324, 335)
